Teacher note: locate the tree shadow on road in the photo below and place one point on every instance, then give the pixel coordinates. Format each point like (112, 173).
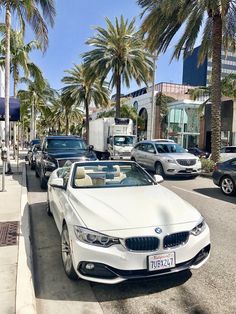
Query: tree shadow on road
(217, 194)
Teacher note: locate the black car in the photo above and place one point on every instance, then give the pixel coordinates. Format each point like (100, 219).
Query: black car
(56, 150)
(36, 141)
(198, 152)
(224, 176)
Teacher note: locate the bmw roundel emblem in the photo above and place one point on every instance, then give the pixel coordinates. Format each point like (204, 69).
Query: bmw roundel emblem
(158, 230)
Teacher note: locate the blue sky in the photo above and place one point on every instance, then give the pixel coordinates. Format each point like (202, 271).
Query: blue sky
(74, 25)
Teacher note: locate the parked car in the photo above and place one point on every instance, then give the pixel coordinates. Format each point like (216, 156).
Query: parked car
(165, 158)
(224, 176)
(198, 152)
(36, 141)
(31, 155)
(227, 153)
(56, 150)
(117, 223)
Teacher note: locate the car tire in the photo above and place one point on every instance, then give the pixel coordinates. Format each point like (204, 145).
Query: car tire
(159, 169)
(36, 173)
(227, 185)
(66, 254)
(43, 182)
(48, 207)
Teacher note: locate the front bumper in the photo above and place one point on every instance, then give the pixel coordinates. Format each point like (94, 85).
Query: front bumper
(113, 275)
(172, 169)
(116, 264)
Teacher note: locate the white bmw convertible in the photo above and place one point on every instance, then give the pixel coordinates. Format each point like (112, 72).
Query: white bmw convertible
(117, 222)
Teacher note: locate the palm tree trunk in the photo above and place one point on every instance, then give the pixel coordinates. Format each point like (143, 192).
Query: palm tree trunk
(32, 122)
(67, 122)
(87, 120)
(216, 87)
(7, 81)
(118, 92)
(14, 123)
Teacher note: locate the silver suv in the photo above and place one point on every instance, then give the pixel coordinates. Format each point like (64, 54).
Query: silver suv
(165, 157)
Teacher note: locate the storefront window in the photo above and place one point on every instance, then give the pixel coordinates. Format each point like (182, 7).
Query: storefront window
(184, 124)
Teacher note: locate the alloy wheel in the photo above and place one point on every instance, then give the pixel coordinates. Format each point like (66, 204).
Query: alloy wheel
(227, 186)
(66, 254)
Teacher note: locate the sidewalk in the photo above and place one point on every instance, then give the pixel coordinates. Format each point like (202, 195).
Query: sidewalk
(16, 287)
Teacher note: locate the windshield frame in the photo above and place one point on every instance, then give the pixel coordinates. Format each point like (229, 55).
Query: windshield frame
(105, 163)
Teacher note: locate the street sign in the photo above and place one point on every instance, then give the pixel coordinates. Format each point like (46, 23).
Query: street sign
(14, 109)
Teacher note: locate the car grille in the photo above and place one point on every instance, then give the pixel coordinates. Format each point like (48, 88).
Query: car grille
(175, 239)
(125, 154)
(186, 162)
(61, 162)
(142, 243)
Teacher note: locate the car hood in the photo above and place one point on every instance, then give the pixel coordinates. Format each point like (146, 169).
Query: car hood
(70, 154)
(106, 209)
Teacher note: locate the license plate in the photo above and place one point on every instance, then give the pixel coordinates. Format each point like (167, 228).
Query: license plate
(189, 169)
(161, 261)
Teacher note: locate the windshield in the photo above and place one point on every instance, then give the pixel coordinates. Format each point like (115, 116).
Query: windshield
(168, 148)
(109, 174)
(62, 144)
(123, 140)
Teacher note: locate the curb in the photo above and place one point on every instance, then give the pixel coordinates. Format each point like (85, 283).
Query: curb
(25, 295)
(206, 175)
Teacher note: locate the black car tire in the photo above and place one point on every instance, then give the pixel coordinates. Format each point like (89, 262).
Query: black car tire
(66, 254)
(43, 182)
(159, 169)
(227, 185)
(48, 207)
(36, 173)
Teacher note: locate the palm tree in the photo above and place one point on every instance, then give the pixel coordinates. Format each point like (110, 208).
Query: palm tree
(119, 51)
(30, 11)
(83, 90)
(19, 57)
(37, 98)
(162, 101)
(163, 19)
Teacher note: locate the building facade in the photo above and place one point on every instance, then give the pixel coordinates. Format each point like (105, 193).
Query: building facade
(200, 75)
(182, 122)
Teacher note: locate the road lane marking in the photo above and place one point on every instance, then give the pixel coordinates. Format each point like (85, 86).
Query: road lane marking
(195, 193)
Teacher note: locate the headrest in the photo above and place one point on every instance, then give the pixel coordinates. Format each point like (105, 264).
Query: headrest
(80, 173)
(117, 173)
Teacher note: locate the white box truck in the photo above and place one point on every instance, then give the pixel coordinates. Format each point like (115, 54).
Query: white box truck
(112, 137)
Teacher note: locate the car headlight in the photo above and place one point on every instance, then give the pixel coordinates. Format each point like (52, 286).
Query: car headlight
(170, 160)
(94, 238)
(199, 228)
(49, 163)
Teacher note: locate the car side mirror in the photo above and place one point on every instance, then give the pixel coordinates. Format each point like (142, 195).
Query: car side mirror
(57, 183)
(158, 178)
(91, 147)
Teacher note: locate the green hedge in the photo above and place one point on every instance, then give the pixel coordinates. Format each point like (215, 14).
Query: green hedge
(207, 165)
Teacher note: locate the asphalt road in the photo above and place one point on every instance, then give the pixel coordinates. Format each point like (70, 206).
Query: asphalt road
(210, 289)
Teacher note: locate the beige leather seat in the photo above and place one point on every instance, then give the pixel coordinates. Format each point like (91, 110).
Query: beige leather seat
(81, 178)
(117, 175)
